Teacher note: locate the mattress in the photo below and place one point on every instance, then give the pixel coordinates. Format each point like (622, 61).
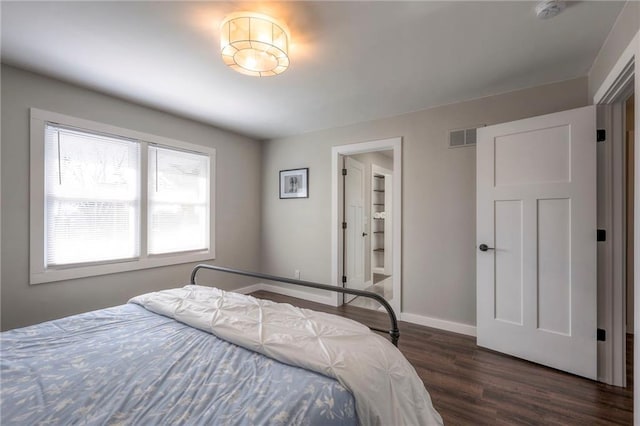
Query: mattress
(127, 365)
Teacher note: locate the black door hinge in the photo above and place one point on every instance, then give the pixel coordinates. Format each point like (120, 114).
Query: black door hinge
(601, 135)
(601, 235)
(344, 279)
(601, 335)
(344, 172)
(344, 225)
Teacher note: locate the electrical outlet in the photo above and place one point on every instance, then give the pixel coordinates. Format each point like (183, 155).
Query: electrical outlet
(296, 274)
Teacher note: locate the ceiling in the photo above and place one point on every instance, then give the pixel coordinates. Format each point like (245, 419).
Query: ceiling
(350, 61)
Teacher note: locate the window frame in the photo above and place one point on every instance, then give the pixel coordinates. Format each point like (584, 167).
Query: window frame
(38, 272)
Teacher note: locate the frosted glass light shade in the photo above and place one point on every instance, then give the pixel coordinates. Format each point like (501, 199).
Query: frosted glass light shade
(254, 44)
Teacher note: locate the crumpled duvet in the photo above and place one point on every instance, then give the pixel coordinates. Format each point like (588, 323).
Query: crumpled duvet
(386, 387)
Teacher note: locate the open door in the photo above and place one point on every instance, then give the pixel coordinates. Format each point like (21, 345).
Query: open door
(355, 232)
(536, 236)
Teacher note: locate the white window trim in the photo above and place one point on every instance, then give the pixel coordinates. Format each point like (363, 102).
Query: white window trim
(38, 274)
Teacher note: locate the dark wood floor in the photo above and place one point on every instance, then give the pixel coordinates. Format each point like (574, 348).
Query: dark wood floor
(474, 386)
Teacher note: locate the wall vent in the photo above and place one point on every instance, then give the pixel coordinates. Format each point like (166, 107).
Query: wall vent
(462, 137)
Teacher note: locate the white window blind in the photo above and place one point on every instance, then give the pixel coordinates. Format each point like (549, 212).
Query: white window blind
(178, 206)
(92, 205)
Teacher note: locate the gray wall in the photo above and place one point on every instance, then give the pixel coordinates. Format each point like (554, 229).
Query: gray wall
(626, 26)
(438, 240)
(237, 212)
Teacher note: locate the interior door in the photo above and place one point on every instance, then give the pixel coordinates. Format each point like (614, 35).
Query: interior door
(355, 233)
(536, 237)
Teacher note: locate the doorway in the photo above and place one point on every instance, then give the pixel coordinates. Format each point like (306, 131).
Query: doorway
(616, 173)
(368, 214)
(616, 201)
(389, 279)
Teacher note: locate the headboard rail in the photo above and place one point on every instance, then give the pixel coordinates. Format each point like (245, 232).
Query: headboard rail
(393, 331)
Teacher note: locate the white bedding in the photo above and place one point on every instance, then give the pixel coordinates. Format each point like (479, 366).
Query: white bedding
(386, 387)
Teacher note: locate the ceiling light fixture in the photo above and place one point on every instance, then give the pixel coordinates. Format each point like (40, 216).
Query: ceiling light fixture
(254, 44)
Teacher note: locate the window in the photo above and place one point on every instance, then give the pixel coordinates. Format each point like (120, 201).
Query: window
(106, 199)
(178, 201)
(92, 197)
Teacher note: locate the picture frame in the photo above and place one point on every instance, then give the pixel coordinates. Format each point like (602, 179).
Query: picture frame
(294, 183)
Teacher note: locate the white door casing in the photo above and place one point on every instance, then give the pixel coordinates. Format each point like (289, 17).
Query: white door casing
(337, 153)
(536, 206)
(356, 227)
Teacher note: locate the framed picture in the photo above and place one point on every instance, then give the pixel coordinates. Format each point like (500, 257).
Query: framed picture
(294, 183)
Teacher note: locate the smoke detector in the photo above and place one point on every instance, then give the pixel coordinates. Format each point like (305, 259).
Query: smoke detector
(549, 8)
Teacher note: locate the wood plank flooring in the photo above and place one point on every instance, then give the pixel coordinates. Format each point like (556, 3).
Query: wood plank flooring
(474, 386)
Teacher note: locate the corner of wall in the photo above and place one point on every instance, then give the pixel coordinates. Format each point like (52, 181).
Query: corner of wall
(622, 33)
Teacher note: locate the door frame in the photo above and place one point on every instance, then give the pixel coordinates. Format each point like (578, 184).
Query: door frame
(612, 252)
(621, 76)
(394, 144)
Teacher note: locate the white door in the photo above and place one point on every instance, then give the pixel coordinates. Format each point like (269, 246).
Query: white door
(536, 214)
(355, 232)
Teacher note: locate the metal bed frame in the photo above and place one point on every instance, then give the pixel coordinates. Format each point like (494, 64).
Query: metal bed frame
(394, 332)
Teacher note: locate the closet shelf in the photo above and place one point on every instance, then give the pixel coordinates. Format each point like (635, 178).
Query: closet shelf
(381, 249)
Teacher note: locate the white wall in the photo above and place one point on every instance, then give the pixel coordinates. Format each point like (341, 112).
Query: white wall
(238, 194)
(438, 236)
(621, 34)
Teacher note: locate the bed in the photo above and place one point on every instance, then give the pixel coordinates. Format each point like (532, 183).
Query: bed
(200, 355)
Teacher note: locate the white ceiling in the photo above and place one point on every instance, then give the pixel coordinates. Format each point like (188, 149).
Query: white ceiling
(350, 61)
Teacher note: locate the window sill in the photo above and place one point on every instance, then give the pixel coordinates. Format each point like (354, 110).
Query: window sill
(52, 275)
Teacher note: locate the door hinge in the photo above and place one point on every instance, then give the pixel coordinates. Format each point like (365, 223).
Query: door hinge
(601, 135)
(344, 279)
(601, 335)
(601, 235)
(344, 225)
(344, 172)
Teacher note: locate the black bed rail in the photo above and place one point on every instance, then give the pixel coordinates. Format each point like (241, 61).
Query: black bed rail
(394, 332)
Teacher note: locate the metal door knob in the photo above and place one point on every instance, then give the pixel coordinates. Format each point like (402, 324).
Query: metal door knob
(364, 234)
(484, 247)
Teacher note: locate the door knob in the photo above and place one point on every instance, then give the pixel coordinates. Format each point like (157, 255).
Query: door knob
(364, 234)
(484, 247)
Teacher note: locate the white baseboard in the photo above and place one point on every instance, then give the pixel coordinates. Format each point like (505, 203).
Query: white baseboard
(456, 327)
(248, 289)
(325, 300)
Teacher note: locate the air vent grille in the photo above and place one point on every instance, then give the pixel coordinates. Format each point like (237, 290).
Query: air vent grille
(456, 138)
(462, 137)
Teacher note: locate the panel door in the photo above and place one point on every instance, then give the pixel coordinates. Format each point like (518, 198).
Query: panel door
(355, 232)
(536, 236)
